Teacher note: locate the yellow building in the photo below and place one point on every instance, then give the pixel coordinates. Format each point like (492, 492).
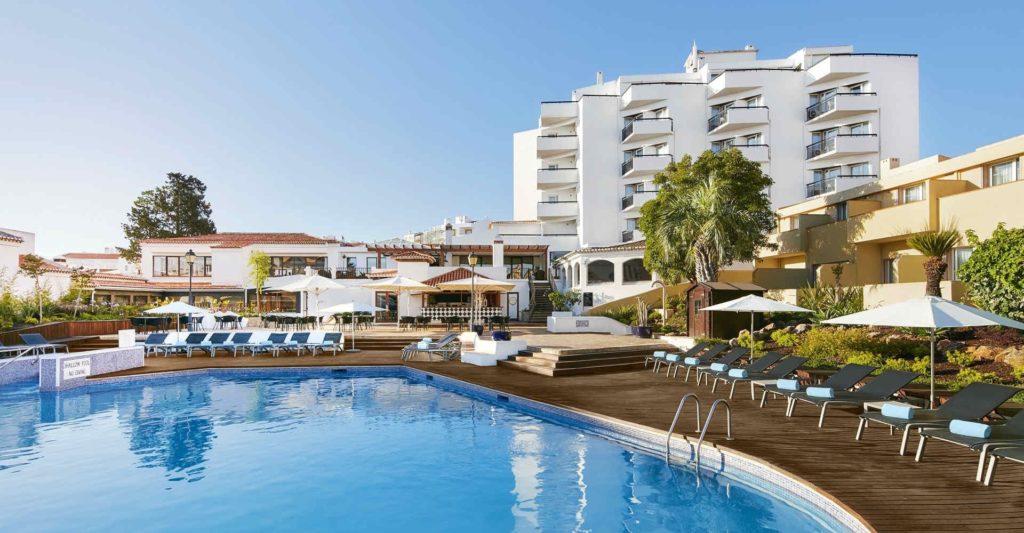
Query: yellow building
(864, 229)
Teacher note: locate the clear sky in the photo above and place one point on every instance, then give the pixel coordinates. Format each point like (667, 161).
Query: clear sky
(370, 119)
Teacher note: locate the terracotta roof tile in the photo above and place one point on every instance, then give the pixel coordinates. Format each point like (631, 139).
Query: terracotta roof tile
(90, 255)
(48, 266)
(624, 247)
(240, 240)
(4, 236)
(113, 281)
(452, 275)
(414, 256)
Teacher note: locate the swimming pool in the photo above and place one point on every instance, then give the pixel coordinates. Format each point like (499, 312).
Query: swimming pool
(238, 451)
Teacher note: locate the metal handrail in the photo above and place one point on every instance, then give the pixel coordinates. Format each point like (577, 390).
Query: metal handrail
(28, 350)
(707, 424)
(679, 410)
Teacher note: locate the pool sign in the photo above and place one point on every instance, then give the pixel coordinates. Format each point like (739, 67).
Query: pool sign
(77, 368)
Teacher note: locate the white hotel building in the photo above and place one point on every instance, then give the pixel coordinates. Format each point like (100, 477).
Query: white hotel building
(818, 121)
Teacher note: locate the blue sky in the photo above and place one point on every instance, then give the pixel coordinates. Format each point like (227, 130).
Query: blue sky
(369, 119)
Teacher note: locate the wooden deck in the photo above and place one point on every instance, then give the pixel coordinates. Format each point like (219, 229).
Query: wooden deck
(893, 493)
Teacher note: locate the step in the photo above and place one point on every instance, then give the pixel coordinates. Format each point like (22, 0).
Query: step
(607, 360)
(558, 372)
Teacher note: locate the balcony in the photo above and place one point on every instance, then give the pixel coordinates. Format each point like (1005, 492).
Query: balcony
(556, 145)
(627, 235)
(842, 105)
(642, 129)
(557, 178)
(633, 202)
(733, 81)
(736, 118)
(757, 153)
(641, 94)
(552, 113)
(842, 145)
(556, 209)
(820, 187)
(352, 273)
(837, 67)
(788, 243)
(890, 223)
(643, 164)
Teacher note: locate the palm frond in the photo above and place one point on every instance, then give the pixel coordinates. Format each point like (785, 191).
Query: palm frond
(934, 243)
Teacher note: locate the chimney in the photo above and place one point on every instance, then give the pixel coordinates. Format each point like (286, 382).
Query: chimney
(890, 163)
(498, 253)
(600, 77)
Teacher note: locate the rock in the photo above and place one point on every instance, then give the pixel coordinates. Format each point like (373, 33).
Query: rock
(800, 329)
(761, 335)
(1013, 356)
(789, 329)
(946, 346)
(734, 343)
(984, 353)
(874, 334)
(769, 328)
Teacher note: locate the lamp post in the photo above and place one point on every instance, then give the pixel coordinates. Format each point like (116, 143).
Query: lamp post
(190, 258)
(472, 293)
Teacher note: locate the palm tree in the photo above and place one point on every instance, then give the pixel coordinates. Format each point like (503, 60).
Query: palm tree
(935, 245)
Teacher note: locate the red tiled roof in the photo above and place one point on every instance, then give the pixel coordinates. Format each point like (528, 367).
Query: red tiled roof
(90, 255)
(451, 275)
(414, 256)
(382, 273)
(475, 248)
(624, 247)
(111, 280)
(239, 240)
(4, 236)
(48, 266)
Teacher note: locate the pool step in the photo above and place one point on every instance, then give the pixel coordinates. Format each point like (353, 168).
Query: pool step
(561, 362)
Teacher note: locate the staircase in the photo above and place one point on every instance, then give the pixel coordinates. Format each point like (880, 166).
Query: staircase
(84, 344)
(556, 362)
(541, 306)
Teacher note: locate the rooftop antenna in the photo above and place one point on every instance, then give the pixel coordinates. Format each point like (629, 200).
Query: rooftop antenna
(600, 77)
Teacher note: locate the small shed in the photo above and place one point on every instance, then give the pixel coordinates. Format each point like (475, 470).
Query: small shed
(719, 325)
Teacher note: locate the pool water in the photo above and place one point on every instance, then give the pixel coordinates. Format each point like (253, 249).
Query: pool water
(292, 452)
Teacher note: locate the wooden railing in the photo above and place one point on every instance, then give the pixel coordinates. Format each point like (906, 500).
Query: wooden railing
(64, 330)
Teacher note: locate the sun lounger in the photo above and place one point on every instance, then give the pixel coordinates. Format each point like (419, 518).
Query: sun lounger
(449, 347)
(1012, 454)
(331, 342)
(844, 379)
(758, 365)
(703, 359)
(209, 345)
(972, 403)
(154, 342)
(191, 341)
(659, 357)
(39, 344)
(297, 342)
(273, 345)
(781, 369)
(730, 358)
(239, 341)
(878, 389)
(1010, 433)
(14, 350)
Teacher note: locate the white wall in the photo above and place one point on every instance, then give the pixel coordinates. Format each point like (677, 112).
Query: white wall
(525, 194)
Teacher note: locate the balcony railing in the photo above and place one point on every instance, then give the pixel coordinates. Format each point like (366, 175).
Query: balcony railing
(825, 146)
(717, 120)
(352, 273)
(828, 104)
(627, 201)
(627, 165)
(820, 187)
(628, 129)
(627, 235)
(296, 271)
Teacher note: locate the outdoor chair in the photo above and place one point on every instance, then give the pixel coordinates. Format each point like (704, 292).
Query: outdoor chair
(973, 402)
(331, 341)
(760, 364)
(693, 362)
(1011, 454)
(407, 322)
(449, 347)
(1010, 433)
(725, 361)
(880, 388)
(273, 345)
(239, 341)
(780, 370)
(193, 339)
(153, 343)
(423, 322)
(211, 345)
(16, 350)
(844, 379)
(658, 357)
(39, 344)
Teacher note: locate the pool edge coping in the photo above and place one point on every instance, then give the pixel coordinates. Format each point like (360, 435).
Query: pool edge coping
(623, 431)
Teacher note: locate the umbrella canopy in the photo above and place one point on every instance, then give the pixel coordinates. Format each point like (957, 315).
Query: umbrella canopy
(226, 313)
(351, 307)
(176, 308)
(927, 312)
(755, 304)
(311, 283)
(478, 283)
(399, 284)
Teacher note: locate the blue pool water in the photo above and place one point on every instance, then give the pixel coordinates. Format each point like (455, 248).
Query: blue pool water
(293, 452)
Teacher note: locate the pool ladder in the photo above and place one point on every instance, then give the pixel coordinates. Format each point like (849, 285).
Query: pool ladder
(707, 423)
(28, 351)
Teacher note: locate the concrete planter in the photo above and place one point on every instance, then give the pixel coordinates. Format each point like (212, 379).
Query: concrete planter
(561, 314)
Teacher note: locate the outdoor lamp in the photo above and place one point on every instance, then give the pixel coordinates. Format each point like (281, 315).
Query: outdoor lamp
(190, 257)
(472, 260)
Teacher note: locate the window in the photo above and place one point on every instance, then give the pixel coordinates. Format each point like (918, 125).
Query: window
(718, 146)
(822, 135)
(600, 271)
(553, 198)
(960, 256)
(520, 266)
(822, 96)
(855, 88)
(754, 101)
(481, 260)
(888, 271)
(661, 112)
(631, 224)
(823, 174)
(634, 270)
(661, 149)
(576, 274)
(753, 140)
(288, 265)
(862, 128)
(860, 169)
(175, 265)
(372, 263)
(841, 212)
(1001, 173)
(913, 194)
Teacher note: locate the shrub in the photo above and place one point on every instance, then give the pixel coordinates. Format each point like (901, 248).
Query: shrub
(710, 340)
(829, 347)
(969, 375)
(625, 314)
(864, 358)
(960, 359)
(783, 338)
(1018, 374)
(995, 272)
(744, 340)
(564, 301)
